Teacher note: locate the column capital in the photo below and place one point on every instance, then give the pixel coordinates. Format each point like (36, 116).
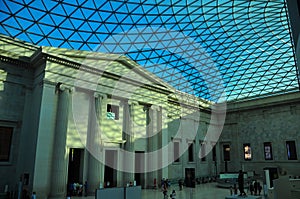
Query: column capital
(100, 95)
(155, 107)
(133, 102)
(123, 102)
(64, 87)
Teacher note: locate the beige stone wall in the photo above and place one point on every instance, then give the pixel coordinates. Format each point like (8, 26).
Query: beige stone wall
(275, 120)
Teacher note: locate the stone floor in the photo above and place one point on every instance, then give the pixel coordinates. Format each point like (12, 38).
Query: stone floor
(202, 191)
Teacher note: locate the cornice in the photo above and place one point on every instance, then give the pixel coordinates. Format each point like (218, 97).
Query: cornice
(86, 68)
(15, 62)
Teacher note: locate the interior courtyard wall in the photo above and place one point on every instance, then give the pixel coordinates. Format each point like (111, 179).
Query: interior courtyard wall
(16, 92)
(189, 125)
(270, 122)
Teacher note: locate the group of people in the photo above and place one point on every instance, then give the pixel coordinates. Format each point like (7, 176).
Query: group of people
(165, 184)
(255, 188)
(77, 189)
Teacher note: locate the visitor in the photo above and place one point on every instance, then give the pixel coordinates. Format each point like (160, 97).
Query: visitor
(180, 183)
(165, 190)
(231, 190)
(259, 188)
(85, 189)
(251, 188)
(241, 183)
(173, 194)
(255, 187)
(235, 189)
(162, 184)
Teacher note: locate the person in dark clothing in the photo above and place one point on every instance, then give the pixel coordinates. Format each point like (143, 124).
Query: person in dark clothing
(234, 189)
(85, 189)
(259, 188)
(255, 187)
(241, 183)
(180, 183)
(251, 188)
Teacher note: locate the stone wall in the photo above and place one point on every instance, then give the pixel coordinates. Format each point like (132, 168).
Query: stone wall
(275, 120)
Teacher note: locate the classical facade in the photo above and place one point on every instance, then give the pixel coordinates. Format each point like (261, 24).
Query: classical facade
(72, 116)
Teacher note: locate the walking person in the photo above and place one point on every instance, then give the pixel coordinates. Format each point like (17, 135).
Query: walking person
(165, 191)
(173, 194)
(241, 183)
(85, 189)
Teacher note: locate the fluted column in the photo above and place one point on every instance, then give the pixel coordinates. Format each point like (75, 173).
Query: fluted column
(163, 126)
(162, 142)
(128, 135)
(94, 143)
(59, 158)
(152, 134)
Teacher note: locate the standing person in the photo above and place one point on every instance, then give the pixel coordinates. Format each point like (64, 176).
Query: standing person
(162, 184)
(154, 184)
(180, 183)
(173, 194)
(231, 190)
(251, 188)
(165, 190)
(85, 188)
(241, 183)
(234, 189)
(255, 187)
(259, 188)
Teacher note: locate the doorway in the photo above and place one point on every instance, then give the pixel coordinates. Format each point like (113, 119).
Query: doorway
(110, 172)
(190, 177)
(139, 175)
(75, 168)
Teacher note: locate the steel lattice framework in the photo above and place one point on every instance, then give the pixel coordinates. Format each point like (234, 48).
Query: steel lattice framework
(242, 47)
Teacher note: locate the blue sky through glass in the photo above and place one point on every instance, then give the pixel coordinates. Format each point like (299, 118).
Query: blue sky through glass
(248, 42)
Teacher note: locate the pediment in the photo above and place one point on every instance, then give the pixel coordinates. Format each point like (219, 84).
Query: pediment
(117, 67)
(112, 66)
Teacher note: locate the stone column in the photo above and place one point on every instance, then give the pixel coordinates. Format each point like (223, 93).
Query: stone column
(162, 124)
(94, 143)
(128, 135)
(152, 135)
(218, 157)
(59, 157)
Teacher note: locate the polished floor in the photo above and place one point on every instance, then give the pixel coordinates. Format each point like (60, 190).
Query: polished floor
(202, 191)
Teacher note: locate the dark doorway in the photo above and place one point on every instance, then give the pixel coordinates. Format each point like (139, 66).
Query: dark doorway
(190, 177)
(75, 165)
(139, 167)
(110, 173)
(226, 166)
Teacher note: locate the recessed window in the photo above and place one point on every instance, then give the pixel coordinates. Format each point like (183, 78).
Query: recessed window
(202, 150)
(214, 153)
(247, 151)
(5, 143)
(268, 151)
(291, 150)
(112, 112)
(176, 151)
(191, 152)
(226, 152)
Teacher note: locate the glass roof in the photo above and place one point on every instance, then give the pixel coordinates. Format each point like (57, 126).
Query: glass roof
(203, 47)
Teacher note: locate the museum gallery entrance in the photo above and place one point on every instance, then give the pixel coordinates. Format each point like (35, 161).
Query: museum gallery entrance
(190, 177)
(110, 173)
(75, 167)
(139, 175)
